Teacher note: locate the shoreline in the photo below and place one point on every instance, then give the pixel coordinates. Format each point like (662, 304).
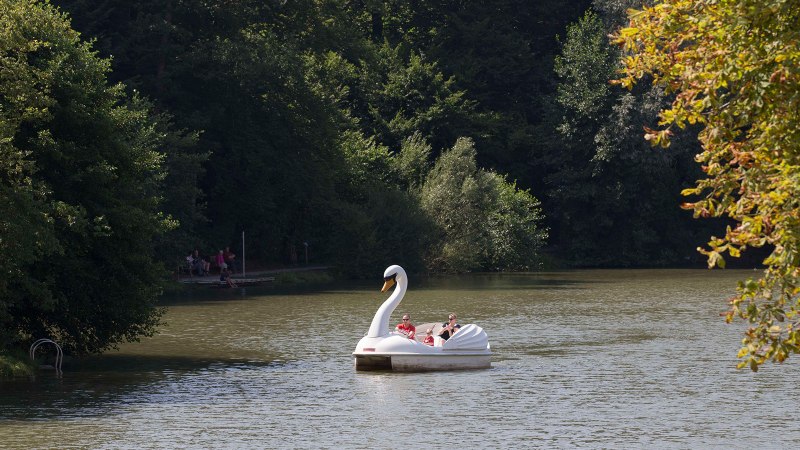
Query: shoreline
(258, 277)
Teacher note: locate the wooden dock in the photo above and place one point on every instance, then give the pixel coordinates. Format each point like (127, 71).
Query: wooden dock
(251, 279)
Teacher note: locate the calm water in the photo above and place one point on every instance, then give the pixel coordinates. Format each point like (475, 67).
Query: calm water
(620, 359)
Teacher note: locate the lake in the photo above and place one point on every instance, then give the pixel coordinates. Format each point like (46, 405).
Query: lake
(597, 359)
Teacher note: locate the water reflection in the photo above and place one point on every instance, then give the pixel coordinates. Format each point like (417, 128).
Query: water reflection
(584, 359)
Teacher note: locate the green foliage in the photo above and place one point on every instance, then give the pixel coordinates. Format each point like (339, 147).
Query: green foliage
(282, 96)
(407, 95)
(515, 227)
(584, 67)
(239, 75)
(299, 105)
(270, 135)
(387, 226)
(501, 54)
(367, 163)
(86, 171)
(182, 199)
(16, 365)
(414, 160)
(454, 195)
(484, 222)
(606, 181)
(374, 223)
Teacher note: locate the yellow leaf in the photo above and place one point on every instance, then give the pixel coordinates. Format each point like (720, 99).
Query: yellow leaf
(741, 365)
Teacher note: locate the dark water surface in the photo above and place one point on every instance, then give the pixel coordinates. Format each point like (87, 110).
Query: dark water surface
(597, 359)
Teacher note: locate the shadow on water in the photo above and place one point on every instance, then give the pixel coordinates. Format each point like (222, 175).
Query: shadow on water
(155, 363)
(205, 294)
(95, 386)
(522, 281)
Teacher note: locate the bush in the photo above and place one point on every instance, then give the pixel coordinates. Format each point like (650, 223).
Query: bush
(484, 221)
(16, 364)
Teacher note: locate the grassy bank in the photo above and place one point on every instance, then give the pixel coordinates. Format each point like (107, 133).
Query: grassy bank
(16, 364)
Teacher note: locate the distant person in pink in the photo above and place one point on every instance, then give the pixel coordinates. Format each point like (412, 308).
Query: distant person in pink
(220, 260)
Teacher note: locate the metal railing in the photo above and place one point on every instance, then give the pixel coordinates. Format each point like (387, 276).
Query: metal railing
(59, 353)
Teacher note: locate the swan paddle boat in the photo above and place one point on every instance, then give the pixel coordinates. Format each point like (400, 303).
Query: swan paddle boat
(381, 349)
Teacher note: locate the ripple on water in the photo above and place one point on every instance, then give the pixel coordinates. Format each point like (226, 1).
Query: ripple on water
(599, 359)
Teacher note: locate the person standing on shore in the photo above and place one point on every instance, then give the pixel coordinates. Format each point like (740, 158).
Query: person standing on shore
(220, 261)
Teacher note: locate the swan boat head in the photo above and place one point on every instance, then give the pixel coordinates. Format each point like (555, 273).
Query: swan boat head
(391, 276)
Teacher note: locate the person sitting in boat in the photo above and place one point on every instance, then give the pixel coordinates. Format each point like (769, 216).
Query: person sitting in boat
(405, 327)
(449, 328)
(428, 337)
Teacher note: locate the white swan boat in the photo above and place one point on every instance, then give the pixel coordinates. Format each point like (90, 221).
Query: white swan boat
(380, 349)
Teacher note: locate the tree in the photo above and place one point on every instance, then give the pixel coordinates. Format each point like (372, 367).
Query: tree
(413, 161)
(732, 67)
(498, 53)
(604, 180)
(582, 104)
(484, 222)
(501, 54)
(375, 220)
(305, 108)
(81, 179)
(182, 199)
(409, 94)
(515, 227)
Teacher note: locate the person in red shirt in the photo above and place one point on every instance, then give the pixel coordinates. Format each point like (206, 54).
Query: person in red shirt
(405, 327)
(428, 337)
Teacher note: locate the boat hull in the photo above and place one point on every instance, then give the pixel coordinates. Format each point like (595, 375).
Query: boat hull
(421, 362)
(398, 353)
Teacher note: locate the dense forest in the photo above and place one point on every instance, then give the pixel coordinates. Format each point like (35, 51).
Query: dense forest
(446, 136)
(328, 123)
